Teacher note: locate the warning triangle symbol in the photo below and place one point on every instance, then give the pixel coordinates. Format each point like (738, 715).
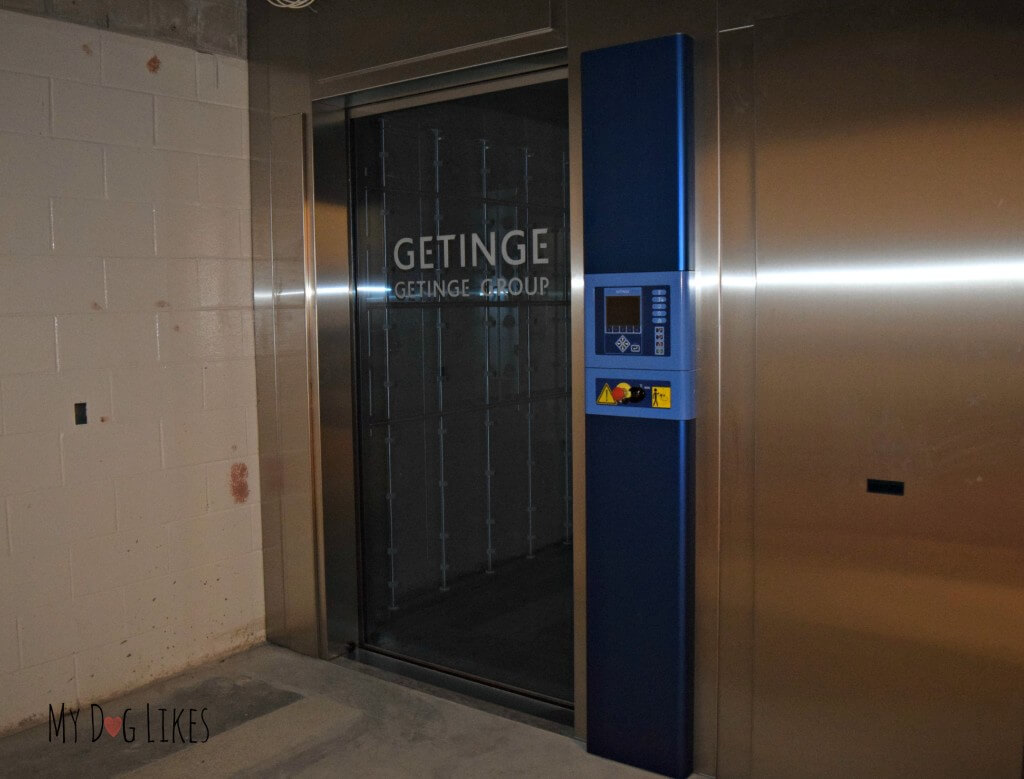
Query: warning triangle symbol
(605, 398)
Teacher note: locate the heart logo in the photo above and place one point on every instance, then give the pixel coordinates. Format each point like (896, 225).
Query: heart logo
(112, 725)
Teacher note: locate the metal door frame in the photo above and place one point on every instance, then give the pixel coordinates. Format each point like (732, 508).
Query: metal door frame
(333, 351)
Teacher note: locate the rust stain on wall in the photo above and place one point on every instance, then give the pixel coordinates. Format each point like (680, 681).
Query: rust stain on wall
(153, 64)
(240, 482)
(87, 49)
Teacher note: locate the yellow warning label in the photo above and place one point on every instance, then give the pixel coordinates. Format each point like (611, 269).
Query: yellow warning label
(605, 398)
(661, 397)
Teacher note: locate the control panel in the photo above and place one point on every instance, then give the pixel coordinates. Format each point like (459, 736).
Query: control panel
(640, 344)
(633, 320)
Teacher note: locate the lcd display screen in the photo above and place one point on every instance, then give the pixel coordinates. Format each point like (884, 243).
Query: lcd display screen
(622, 311)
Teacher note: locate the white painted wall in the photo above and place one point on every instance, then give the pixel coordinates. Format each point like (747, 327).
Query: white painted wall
(125, 283)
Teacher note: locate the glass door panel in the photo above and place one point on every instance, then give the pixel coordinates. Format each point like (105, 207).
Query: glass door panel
(460, 214)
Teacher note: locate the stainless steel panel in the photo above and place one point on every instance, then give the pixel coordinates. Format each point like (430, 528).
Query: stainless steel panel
(474, 86)
(294, 475)
(266, 373)
(889, 631)
(357, 47)
(735, 648)
(334, 329)
(578, 411)
(709, 443)
(734, 14)
(287, 399)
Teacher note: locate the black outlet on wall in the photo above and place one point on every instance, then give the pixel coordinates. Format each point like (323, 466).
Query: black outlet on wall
(81, 415)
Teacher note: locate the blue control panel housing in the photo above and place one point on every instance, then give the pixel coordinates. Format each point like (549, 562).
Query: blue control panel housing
(637, 143)
(640, 400)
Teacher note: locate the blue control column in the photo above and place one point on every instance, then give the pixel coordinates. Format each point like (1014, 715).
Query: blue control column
(640, 389)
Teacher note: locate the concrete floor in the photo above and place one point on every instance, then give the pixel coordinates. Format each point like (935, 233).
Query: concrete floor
(271, 712)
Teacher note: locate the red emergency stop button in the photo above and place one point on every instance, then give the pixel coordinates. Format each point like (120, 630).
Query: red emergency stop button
(618, 393)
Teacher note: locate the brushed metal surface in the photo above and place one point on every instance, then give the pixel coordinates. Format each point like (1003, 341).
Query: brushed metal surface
(281, 186)
(577, 326)
(889, 631)
(286, 338)
(735, 648)
(263, 331)
(333, 287)
(557, 72)
(364, 46)
(294, 472)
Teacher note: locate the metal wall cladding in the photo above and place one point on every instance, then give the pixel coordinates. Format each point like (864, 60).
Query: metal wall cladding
(886, 632)
(463, 400)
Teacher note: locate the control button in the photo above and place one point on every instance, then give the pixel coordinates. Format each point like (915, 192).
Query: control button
(659, 299)
(659, 350)
(624, 392)
(658, 306)
(659, 330)
(659, 320)
(634, 348)
(622, 343)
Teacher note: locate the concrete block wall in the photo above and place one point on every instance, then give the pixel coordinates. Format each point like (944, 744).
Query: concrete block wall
(213, 26)
(130, 546)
